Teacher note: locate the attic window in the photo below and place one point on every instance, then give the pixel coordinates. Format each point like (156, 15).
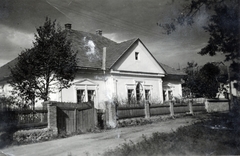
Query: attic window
(136, 55)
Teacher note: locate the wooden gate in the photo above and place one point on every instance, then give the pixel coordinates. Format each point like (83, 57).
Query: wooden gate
(75, 118)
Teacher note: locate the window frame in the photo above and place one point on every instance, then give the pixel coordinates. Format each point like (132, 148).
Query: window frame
(137, 56)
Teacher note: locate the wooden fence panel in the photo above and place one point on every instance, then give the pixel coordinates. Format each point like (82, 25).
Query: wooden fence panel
(80, 118)
(130, 112)
(159, 110)
(61, 120)
(198, 107)
(178, 109)
(75, 117)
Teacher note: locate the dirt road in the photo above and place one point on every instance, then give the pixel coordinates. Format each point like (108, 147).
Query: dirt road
(95, 143)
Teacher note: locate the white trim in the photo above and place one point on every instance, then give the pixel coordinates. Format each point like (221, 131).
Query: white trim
(137, 74)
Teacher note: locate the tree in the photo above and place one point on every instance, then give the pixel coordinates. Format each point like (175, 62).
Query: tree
(208, 86)
(202, 81)
(222, 26)
(49, 62)
(190, 85)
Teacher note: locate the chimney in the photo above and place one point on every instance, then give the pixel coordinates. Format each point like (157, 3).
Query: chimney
(99, 32)
(68, 26)
(104, 59)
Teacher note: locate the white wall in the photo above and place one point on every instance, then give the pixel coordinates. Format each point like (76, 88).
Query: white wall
(123, 83)
(85, 81)
(109, 86)
(174, 86)
(146, 63)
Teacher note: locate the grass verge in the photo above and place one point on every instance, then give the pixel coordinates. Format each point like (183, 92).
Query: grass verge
(218, 135)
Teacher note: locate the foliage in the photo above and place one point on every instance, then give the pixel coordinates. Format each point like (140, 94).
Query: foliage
(191, 79)
(49, 61)
(222, 26)
(11, 102)
(208, 85)
(202, 81)
(32, 136)
(5, 102)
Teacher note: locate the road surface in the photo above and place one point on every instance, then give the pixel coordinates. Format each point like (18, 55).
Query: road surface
(93, 144)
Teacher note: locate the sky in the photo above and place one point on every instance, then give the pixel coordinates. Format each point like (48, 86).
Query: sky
(119, 20)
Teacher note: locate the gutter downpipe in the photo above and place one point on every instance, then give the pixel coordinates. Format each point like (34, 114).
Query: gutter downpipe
(104, 60)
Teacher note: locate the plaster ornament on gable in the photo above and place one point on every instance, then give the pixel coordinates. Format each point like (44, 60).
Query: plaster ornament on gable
(85, 82)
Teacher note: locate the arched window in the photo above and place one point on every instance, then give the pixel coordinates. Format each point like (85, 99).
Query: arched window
(139, 92)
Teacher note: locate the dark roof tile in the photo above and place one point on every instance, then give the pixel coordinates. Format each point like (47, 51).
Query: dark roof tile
(170, 70)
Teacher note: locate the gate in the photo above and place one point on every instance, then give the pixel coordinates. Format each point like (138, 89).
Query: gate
(75, 118)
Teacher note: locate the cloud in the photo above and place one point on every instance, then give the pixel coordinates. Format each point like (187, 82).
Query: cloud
(117, 37)
(13, 42)
(120, 20)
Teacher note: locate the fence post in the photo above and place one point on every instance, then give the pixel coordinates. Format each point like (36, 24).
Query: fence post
(111, 115)
(190, 107)
(171, 109)
(206, 103)
(52, 117)
(147, 109)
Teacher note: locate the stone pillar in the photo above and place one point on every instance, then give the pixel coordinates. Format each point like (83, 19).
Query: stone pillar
(207, 105)
(52, 117)
(111, 115)
(190, 107)
(171, 109)
(147, 110)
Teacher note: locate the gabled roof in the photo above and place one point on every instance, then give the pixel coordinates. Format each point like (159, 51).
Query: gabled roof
(5, 69)
(114, 52)
(171, 71)
(89, 48)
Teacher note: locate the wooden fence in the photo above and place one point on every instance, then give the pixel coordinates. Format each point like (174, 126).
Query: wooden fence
(71, 117)
(133, 111)
(124, 112)
(23, 118)
(180, 109)
(159, 109)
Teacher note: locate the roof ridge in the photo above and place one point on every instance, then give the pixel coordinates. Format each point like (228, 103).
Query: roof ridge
(131, 41)
(80, 31)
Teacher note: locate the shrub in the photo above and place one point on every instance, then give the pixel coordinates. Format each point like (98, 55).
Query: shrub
(32, 136)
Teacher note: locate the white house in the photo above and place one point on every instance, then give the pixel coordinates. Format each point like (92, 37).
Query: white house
(107, 70)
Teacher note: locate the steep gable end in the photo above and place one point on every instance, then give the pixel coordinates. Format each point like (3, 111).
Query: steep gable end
(137, 58)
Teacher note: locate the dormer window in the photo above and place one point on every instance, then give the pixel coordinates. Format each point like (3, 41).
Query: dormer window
(136, 55)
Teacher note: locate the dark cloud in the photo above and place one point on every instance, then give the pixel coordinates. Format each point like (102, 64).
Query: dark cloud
(26, 15)
(119, 19)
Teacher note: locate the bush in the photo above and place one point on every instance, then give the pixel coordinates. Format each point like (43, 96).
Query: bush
(32, 136)
(141, 121)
